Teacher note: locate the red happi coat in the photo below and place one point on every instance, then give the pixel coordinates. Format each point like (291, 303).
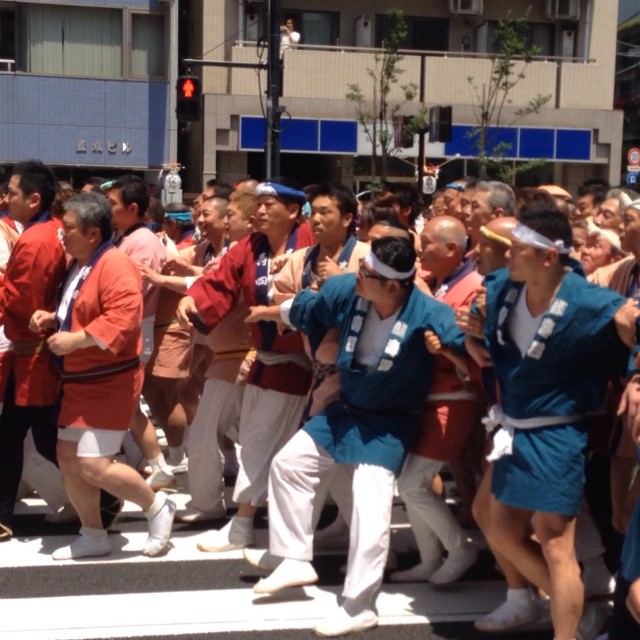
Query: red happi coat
(453, 407)
(217, 292)
(34, 271)
(109, 308)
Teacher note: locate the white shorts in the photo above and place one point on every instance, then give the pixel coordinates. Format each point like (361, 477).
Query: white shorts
(93, 443)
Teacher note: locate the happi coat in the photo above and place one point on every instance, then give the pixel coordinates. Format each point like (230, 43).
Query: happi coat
(109, 307)
(244, 270)
(377, 419)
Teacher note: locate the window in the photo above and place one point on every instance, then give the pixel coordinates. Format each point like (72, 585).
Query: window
(423, 34)
(540, 35)
(70, 41)
(148, 45)
(88, 42)
(7, 33)
(315, 27)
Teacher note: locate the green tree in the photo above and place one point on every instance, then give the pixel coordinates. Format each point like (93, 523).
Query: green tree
(513, 54)
(375, 113)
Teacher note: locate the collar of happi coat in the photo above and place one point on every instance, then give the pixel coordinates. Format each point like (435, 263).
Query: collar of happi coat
(550, 319)
(394, 342)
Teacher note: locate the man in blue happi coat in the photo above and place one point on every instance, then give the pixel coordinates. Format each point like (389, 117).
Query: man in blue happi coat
(555, 341)
(385, 372)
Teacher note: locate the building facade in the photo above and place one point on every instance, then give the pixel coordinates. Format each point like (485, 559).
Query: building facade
(577, 134)
(85, 84)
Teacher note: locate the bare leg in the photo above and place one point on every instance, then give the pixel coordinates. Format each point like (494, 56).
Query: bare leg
(557, 537)
(481, 507)
(84, 496)
(509, 530)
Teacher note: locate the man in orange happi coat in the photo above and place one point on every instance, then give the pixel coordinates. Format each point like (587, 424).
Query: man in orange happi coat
(97, 348)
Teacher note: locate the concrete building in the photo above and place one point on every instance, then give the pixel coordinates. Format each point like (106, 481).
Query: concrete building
(85, 84)
(577, 133)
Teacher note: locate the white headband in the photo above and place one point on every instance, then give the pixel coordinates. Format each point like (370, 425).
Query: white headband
(607, 234)
(384, 270)
(625, 198)
(634, 205)
(532, 238)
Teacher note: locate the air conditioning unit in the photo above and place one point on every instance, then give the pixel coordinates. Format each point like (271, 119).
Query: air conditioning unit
(466, 6)
(563, 9)
(254, 19)
(567, 43)
(364, 32)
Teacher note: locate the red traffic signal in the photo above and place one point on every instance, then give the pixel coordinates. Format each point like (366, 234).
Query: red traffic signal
(188, 99)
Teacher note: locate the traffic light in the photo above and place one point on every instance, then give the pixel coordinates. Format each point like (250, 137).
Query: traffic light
(188, 99)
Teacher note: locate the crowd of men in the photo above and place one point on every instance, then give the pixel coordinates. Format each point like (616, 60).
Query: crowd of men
(333, 345)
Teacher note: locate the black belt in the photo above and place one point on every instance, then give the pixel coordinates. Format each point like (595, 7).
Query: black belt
(380, 411)
(99, 372)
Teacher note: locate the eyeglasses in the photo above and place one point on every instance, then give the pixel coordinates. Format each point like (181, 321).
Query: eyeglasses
(363, 273)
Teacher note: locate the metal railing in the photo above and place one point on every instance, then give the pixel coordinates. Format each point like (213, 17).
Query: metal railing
(419, 53)
(7, 65)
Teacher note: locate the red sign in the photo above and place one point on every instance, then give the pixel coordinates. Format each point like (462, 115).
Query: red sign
(633, 156)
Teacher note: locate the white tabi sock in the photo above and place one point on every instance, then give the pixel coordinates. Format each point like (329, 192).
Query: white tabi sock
(158, 462)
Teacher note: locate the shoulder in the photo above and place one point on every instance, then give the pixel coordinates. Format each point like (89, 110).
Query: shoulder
(591, 295)
(607, 275)
(340, 286)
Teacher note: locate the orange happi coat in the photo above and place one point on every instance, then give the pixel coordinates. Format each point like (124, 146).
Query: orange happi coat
(108, 307)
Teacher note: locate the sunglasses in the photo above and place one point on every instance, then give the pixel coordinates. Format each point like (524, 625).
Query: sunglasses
(363, 273)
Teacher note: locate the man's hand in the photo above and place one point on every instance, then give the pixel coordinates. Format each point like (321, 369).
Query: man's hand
(630, 406)
(327, 268)
(186, 308)
(633, 600)
(470, 323)
(257, 313)
(625, 321)
(432, 342)
(149, 274)
(42, 320)
(481, 301)
(65, 342)
(278, 262)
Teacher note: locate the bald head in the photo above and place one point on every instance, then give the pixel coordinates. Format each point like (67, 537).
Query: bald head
(502, 226)
(495, 240)
(447, 229)
(444, 244)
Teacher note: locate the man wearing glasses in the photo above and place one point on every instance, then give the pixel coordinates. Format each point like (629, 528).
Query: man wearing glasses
(385, 371)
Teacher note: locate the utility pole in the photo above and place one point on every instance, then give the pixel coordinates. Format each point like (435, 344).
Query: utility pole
(274, 85)
(274, 90)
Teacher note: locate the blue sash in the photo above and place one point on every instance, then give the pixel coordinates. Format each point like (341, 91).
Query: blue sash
(268, 329)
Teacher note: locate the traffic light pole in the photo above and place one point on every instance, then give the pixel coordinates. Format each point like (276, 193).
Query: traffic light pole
(274, 89)
(274, 86)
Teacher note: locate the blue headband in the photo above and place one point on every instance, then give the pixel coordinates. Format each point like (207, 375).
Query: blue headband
(185, 216)
(280, 191)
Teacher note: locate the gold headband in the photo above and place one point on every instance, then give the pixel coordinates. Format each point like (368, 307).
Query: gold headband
(492, 235)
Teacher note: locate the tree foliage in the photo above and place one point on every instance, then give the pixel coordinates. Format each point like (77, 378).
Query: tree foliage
(374, 111)
(513, 54)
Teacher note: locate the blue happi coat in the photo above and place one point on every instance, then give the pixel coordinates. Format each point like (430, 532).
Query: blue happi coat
(379, 416)
(565, 372)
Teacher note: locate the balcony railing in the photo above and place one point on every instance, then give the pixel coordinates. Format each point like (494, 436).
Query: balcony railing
(7, 65)
(324, 72)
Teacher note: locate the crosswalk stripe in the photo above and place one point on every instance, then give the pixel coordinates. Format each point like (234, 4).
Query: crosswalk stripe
(127, 595)
(218, 611)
